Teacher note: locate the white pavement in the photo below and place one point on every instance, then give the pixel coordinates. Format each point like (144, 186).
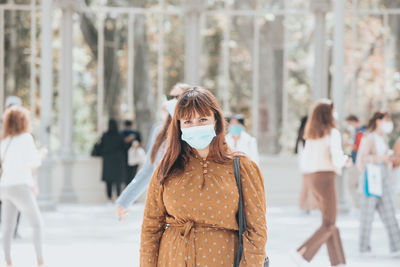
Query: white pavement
(91, 236)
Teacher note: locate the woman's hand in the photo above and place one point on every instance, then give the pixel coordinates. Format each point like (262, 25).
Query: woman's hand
(121, 213)
(43, 153)
(383, 158)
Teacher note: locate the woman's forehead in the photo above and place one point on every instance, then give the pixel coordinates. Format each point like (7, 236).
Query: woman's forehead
(195, 115)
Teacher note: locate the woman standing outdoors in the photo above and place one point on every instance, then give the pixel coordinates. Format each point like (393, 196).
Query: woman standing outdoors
(112, 149)
(157, 147)
(191, 206)
(374, 150)
(19, 158)
(323, 158)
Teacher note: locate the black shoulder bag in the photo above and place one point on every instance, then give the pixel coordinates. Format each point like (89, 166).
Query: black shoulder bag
(241, 215)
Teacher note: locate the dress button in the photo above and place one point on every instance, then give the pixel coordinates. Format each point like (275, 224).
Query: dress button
(205, 171)
(205, 165)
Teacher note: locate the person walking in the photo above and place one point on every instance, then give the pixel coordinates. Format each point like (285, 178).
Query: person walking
(157, 146)
(130, 136)
(112, 148)
(357, 130)
(323, 158)
(239, 140)
(192, 201)
(307, 201)
(19, 157)
(374, 154)
(10, 102)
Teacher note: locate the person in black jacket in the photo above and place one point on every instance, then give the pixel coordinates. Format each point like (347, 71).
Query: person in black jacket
(112, 149)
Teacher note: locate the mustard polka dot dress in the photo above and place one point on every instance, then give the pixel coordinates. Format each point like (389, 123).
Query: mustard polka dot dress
(191, 219)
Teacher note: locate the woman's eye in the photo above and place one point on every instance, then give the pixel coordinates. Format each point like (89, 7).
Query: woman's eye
(203, 120)
(186, 122)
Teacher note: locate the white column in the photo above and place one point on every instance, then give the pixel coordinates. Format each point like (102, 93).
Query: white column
(338, 85)
(66, 100)
(320, 84)
(131, 64)
(100, 73)
(338, 58)
(46, 199)
(1, 63)
(256, 77)
(193, 10)
(160, 59)
(33, 60)
(225, 63)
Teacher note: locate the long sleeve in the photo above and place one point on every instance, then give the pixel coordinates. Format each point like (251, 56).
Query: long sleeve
(338, 157)
(255, 236)
(138, 185)
(153, 224)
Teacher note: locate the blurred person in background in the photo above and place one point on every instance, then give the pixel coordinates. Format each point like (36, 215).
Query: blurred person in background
(239, 140)
(19, 157)
(357, 131)
(157, 146)
(12, 101)
(323, 159)
(373, 154)
(130, 135)
(112, 149)
(395, 185)
(307, 201)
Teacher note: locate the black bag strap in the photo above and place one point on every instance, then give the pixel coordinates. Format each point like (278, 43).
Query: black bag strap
(241, 215)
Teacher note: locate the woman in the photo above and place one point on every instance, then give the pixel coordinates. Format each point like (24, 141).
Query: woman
(323, 158)
(239, 140)
(374, 150)
(112, 149)
(306, 200)
(157, 148)
(190, 212)
(19, 158)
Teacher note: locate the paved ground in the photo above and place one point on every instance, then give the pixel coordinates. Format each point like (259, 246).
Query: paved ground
(90, 236)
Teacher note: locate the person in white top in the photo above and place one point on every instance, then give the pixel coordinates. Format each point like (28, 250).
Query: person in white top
(307, 201)
(374, 153)
(19, 157)
(238, 140)
(322, 159)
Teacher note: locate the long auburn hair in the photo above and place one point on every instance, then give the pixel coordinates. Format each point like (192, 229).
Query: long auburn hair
(379, 115)
(194, 100)
(320, 121)
(16, 121)
(164, 131)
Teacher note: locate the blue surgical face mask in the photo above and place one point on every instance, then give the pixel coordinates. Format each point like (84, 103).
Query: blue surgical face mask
(170, 106)
(198, 137)
(236, 129)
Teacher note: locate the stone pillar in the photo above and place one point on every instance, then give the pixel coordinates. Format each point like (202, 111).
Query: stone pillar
(66, 99)
(320, 84)
(45, 198)
(193, 40)
(338, 87)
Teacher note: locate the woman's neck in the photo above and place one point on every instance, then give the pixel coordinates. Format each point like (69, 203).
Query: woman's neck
(379, 132)
(203, 153)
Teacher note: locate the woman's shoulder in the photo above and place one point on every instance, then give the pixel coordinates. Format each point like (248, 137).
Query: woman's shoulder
(246, 162)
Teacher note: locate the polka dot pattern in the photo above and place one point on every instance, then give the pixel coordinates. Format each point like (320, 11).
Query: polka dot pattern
(191, 220)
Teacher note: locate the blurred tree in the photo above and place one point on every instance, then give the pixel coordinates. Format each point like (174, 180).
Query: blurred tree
(113, 36)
